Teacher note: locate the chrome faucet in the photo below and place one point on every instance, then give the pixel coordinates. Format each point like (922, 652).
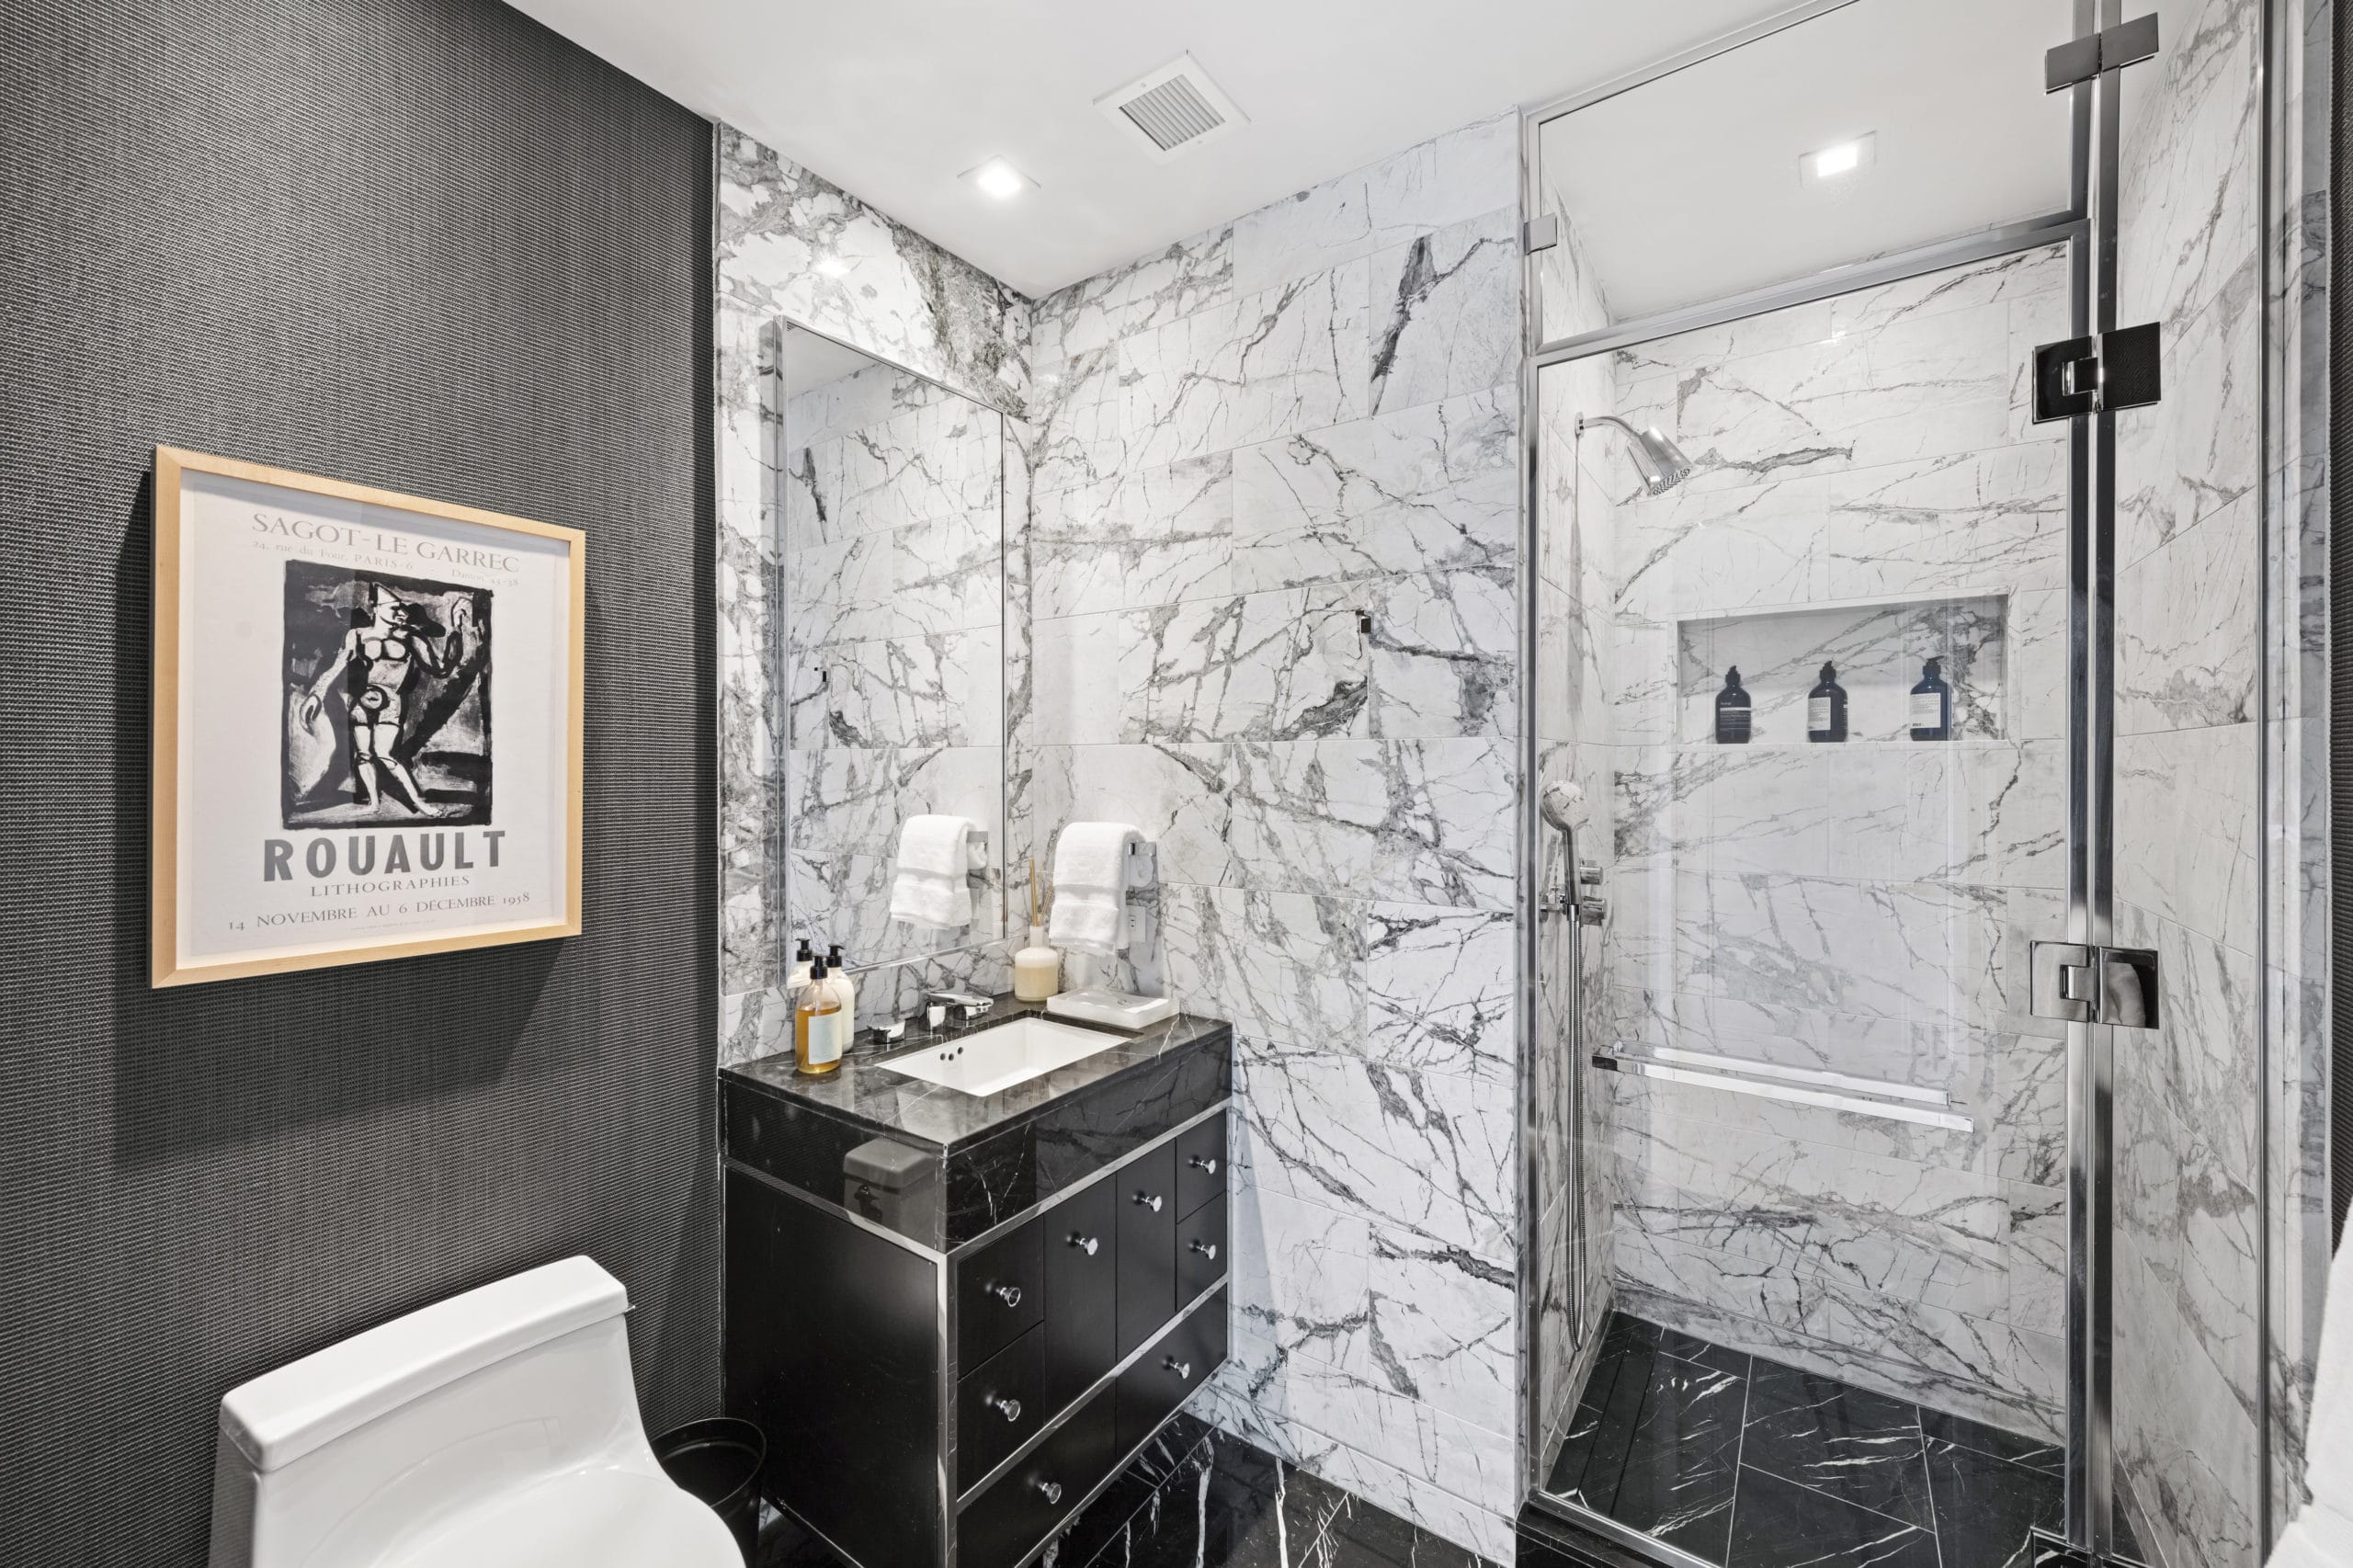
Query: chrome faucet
(971, 1006)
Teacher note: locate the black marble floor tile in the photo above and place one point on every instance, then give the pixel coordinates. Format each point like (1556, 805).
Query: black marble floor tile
(1985, 1505)
(1197, 1498)
(1823, 1475)
(1778, 1524)
(1859, 1447)
(1682, 1457)
(2037, 1453)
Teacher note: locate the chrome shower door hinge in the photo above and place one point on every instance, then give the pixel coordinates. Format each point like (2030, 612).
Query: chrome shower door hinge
(2079, 984)
(2079, 60)
(1539, 234)
(2096, 375)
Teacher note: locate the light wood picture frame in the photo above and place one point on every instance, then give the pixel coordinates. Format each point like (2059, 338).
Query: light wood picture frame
(329, 785)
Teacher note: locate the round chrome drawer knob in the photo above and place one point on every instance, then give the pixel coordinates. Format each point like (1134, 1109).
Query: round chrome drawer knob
(1084, 1244)
(1149, 1201)
(1009, 1408)
(1009, 1294)
(1207, 1249)
(1207, 1165)
(1052, 1490)
(1182, 1368)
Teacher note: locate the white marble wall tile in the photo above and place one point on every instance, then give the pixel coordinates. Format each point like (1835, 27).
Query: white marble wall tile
(885, 288)
(1694, 552)
(1446, 832)
(1269, 364)
(1156, 537)
(1914, 1233)
(1439, 183)
(1150, 292)
(1301, 1272)
(1982, 1368)
(1440, 659)
(1420, 1151)
(2035, 665)
(1288, 967)
(2185, 813)
(2185, 615)
(1439, 992)
(2187, 457)
(1910, 389)
(1444, 312)
(943, 689)
(1963, 521)
(1430, 488)
(2189, 180)
(2035, 278)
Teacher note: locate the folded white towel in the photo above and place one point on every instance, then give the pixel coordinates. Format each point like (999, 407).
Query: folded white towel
(2321, 1535)
(1091, 887)
(930, 886)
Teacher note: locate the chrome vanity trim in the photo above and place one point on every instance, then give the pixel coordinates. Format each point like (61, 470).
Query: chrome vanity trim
(1078, 1402)
(1073, 1190)
(909, 1244)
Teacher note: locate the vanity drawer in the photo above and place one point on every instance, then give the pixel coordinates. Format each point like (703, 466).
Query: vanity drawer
(1082, 1243)
(1146, 1197)
(1201, 1164)
(999, 1405)
(1200, 1249)
(1161, 1377)
(1030, 1501)
(1000, 1295)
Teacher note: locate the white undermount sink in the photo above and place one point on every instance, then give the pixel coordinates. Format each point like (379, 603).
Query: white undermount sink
(991, 1060)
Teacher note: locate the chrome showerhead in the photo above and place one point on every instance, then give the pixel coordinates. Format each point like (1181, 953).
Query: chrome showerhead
(1661, 463)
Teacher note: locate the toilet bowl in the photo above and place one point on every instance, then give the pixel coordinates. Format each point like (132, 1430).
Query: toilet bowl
(499, 1427)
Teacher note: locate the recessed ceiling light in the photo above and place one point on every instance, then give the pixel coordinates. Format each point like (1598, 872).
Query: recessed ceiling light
(832, 266)
(1000, 179)
(1839, 158)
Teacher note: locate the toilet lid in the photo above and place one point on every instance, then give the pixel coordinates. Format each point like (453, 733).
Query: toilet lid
(597, 1518)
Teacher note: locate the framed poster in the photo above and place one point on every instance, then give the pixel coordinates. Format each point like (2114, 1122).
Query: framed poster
(367, 725)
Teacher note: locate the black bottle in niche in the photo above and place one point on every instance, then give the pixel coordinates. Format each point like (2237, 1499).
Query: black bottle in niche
(1733, 710)
(1932, 705)
(1826, 708)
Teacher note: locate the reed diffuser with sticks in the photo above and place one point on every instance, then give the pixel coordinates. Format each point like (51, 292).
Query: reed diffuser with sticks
(1037, 969)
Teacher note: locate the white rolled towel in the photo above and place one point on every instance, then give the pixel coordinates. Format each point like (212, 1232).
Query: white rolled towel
(1091, 887)
(931, 884)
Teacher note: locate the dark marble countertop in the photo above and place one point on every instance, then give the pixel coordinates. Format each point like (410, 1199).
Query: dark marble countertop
(864, 1092)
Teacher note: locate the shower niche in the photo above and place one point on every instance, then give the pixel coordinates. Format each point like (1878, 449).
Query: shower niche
(1879, 649)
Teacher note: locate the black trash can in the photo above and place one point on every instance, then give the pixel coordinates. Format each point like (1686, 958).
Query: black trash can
(719, 1461)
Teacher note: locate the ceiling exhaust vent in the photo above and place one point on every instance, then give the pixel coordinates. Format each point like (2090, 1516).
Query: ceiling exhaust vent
(1172, 109)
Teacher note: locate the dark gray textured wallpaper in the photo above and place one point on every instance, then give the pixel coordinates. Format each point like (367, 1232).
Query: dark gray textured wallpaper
(419, 244)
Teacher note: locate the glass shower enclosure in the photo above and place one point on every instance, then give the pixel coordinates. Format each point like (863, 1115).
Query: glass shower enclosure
(1900, 1077)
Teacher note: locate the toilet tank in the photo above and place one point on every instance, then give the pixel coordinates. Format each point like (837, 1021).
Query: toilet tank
(337, 1457)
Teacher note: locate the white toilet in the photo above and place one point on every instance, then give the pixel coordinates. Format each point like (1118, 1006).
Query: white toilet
(498, 1428)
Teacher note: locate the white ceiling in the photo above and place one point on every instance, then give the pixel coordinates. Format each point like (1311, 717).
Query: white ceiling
(893, 99)
(1687, 189)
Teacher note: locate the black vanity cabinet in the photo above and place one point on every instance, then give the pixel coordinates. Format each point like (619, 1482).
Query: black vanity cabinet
(954, 1340)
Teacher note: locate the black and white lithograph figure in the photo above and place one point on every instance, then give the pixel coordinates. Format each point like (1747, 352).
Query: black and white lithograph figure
(387, 700)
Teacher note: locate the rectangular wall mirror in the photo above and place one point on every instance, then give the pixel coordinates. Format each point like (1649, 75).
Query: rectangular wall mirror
(890, 513)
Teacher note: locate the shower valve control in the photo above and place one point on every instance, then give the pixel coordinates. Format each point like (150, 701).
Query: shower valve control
(1592, 911)
(2080, 984)
(1588, 874)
